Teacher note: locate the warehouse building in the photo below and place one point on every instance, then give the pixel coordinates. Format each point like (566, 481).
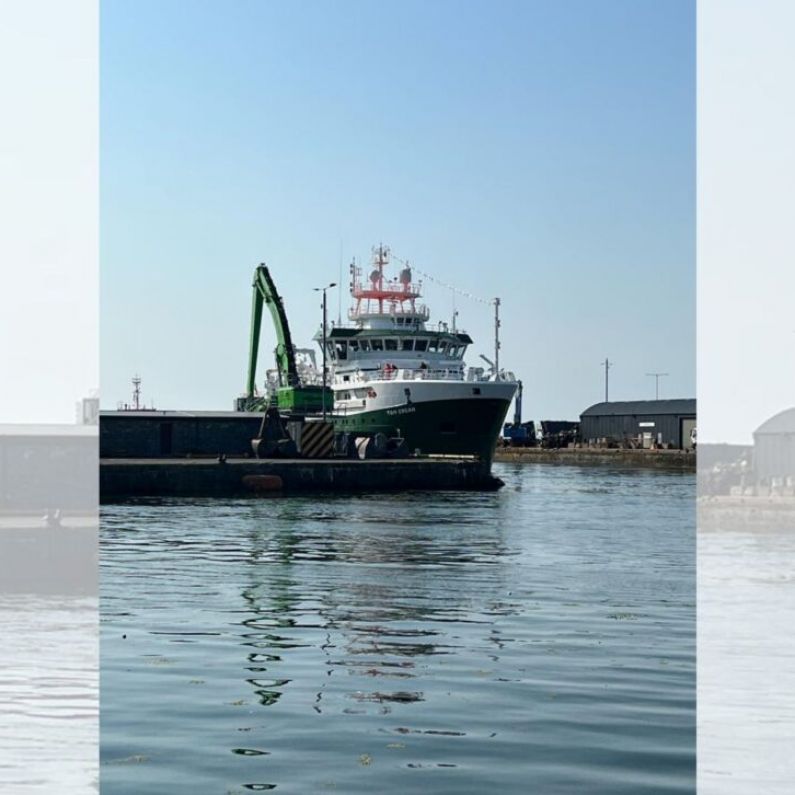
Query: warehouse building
(48, 467)
(774, 447)
(640, 423)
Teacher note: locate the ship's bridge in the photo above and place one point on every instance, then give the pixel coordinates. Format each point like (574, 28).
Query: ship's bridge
(344, 345)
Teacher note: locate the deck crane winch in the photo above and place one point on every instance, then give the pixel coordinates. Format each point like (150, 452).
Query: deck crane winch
(291, 395)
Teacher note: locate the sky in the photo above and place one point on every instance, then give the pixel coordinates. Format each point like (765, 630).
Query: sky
(49, 166)
(746, 173)
(539, 152)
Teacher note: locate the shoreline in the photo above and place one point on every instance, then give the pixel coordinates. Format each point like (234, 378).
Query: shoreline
(679, 460)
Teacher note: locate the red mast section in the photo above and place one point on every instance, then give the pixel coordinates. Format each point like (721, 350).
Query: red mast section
(392, 292)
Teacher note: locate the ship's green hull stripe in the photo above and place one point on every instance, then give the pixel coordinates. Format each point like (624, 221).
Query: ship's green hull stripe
(451, 427)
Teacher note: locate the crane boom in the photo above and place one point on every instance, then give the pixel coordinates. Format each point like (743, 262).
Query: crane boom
(292, 396)
(264, 291)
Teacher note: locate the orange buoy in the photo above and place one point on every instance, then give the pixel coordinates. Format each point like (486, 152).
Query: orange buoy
(263, 483)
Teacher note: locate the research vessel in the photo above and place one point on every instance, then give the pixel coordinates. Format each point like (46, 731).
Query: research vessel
(392, 371)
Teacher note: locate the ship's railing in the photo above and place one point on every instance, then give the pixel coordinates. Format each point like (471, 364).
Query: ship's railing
(420, 312)
(401, 374)
(394, 288)
(387, 373)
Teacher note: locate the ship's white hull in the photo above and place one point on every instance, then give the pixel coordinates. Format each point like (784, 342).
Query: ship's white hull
(434, 417)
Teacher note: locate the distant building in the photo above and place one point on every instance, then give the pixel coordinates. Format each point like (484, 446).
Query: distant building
(88, 411)
(48, 466)
(774, 447)
(640, 422)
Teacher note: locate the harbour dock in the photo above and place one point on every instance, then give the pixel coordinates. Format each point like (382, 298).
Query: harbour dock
(204, 453)
(204, 477)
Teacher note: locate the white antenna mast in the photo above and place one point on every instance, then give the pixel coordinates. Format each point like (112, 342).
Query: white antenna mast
(496, 339)
(452, 292)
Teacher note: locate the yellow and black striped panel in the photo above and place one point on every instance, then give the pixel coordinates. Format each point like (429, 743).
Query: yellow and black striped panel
(317, 439)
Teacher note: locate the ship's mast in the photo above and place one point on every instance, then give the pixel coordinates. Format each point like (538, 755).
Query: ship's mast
(496, 339)
(380, 296)
(379, 260)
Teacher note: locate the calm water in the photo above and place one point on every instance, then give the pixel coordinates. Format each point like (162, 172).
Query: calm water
(48, 695)
(540, 639)
(746, 648)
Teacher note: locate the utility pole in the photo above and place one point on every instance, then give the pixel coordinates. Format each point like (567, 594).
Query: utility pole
(607, 365)
(496, 339)
(323, 290)
(657, 377)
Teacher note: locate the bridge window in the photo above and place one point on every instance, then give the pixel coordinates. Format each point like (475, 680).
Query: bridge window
(365, 345)
(407, 345)
(354, 345)
(342, 350)
(433, 346)
(378, 345)
(421, 345)
(391, 344)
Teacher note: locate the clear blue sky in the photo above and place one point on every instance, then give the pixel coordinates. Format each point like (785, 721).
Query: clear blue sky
(542, 152)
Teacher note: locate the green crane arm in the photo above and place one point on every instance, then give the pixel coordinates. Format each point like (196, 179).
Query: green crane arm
(265, 291)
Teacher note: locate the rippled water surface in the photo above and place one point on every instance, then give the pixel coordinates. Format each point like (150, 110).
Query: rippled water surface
(48, 694)
(540, 639)
(746, 612)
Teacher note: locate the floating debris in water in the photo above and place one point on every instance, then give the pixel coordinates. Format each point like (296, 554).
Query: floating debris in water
(400, 697)
(134, 759)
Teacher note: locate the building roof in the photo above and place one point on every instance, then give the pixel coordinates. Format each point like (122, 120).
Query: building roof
(621, 408)
(783, 422)
(46, 430)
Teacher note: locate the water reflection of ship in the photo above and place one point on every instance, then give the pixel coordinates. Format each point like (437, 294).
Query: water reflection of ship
(362, 623)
